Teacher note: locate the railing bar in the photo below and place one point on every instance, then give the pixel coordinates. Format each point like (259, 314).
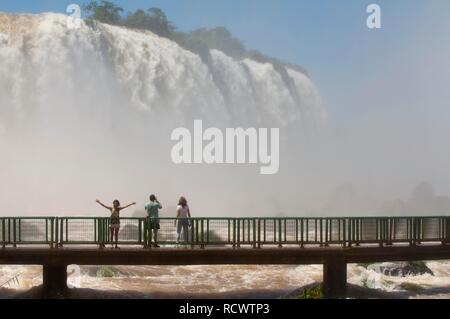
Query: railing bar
(413, 230)
(20, 230)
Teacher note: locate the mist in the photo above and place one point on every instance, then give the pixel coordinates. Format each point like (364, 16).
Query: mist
(88, 114)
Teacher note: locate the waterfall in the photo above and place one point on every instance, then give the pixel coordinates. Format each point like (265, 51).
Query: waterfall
(88, 112)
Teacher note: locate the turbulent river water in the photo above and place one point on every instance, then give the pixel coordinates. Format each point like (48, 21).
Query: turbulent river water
(226, 281)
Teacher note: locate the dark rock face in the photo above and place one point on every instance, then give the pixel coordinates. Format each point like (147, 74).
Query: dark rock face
(403, 269)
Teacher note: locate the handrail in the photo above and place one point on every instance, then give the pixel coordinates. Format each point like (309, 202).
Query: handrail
(229, 231)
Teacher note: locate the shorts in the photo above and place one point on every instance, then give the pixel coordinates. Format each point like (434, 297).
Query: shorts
(154, 226)
(114, 226)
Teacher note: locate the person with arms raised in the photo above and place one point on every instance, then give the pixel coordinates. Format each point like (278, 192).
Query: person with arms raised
(114, 224)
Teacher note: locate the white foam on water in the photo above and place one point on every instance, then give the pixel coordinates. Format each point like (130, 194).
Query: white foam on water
(232, 278)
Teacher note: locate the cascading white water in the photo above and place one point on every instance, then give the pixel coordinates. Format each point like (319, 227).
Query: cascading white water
(88, 112)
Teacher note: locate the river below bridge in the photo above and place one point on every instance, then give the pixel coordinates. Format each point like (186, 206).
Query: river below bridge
(229, 281)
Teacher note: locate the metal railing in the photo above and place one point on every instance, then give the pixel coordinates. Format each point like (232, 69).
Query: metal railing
(236, 232)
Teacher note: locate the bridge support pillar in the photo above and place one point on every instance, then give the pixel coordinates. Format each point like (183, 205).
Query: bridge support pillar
(335, 277)
(54, 279)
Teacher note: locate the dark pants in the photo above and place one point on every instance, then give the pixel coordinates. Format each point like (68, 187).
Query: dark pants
(183, 226)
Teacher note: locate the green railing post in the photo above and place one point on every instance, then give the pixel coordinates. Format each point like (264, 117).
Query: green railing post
(207, 231)
(150, 233)
(229, 231)
(259, 233)
(265, 231)
(279, 233)
(197, 231)
(409, 238)
(140, 225)
(98, 238)
(322, 243)
(57, 231)
(106, 232)
(328, 231)
(52, 229)
(254, 233)
(61, 232)
(302, 233)
(387, 230)
(357, 231)
(3, 233)
(67, 230)
(238, 233)
(381, 230)
(234, 232)
(349, 232)
(46, 231)
(96, 232)
(421, 234)
(377, 231)
(274, 231)
(9, 231)
(20, 230)
(14, 233)
(145, 225)
(340, 234)
(415, 229)
(447, 230)
(243, 232)
(391, 229)
(193, 231)
(202, 246)
(316, 238)
(410, 231)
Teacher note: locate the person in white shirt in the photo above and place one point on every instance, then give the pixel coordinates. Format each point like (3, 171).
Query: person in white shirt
(183, 216)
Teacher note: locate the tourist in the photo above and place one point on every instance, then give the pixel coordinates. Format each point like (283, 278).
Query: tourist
(114, 223)
(152, 210)
(183, 216)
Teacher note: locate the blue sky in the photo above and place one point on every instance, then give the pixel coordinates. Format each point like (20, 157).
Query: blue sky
(328, 37)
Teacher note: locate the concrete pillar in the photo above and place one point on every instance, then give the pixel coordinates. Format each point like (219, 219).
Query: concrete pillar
(335, 277)
(54, 279)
